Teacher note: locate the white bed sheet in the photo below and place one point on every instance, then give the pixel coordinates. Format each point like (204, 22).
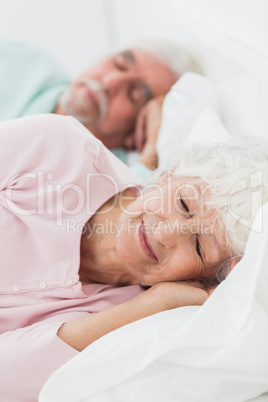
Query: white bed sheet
(214, 353)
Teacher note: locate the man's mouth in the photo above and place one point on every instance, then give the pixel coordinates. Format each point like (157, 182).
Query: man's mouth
(93, 99)
(145, 242)
(97, 96)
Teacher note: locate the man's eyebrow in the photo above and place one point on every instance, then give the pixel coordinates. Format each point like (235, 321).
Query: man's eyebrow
(129, 55)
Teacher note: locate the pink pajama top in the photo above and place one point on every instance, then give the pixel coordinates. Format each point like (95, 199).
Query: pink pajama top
(54, 175)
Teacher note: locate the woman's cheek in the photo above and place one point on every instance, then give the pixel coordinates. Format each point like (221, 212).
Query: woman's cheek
(125, 245)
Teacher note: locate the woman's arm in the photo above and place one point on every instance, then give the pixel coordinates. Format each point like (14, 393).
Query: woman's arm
(160, 297)
(28, 357)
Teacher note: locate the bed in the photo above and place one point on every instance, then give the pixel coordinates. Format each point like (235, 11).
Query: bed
(217, 352)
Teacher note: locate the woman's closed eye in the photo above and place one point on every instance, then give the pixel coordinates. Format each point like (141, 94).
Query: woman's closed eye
(184, 206)
(198, 248)
(197, 244)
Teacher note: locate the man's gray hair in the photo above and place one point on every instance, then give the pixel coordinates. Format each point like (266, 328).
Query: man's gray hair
(174, 55)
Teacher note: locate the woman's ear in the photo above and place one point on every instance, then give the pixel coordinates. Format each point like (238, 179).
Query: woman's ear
(233, 263)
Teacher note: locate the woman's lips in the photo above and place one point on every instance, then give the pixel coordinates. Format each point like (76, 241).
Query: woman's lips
(145, 242)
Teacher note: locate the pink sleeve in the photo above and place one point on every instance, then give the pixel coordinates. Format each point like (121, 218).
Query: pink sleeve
(43, 143)
(28, 357)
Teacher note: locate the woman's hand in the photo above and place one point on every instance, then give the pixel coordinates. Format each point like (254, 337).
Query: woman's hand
(160, 297)
(169, 295)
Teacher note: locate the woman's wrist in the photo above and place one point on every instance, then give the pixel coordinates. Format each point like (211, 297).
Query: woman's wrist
(82, 332)
(160, 297)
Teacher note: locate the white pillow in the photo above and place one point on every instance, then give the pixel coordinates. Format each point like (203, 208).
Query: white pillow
(243, 104)
(208, 129)
(189, 115)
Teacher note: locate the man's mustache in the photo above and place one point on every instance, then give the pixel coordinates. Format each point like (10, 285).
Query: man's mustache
(96, 87)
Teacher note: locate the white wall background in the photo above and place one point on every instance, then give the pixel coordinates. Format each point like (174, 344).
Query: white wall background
(78, 31)
(74, 31)
(219, 24)
(230, 36)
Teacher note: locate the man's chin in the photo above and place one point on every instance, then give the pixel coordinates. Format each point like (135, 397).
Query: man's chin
(85, 120)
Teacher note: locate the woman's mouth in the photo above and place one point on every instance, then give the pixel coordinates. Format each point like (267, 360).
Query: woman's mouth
(147, 248)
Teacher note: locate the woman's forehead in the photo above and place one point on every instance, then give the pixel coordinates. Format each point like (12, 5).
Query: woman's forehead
(185, 181)
(192, 187)
(180, 178)
(168, 191)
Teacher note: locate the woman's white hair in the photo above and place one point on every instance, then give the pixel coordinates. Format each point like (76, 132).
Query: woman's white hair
(174, 55)
(237, 174)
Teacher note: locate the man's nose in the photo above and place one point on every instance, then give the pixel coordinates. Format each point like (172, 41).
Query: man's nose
(116, 81)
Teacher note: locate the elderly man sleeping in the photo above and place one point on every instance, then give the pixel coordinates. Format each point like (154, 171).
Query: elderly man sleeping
(79, 236)
(113, 98)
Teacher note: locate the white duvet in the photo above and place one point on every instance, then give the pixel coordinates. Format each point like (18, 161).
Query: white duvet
(217, 352)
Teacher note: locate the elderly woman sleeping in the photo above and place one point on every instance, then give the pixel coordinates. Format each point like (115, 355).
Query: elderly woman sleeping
(79, 236)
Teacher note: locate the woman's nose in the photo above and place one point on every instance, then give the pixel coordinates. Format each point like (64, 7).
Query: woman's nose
(163, 233)
(170, 232)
